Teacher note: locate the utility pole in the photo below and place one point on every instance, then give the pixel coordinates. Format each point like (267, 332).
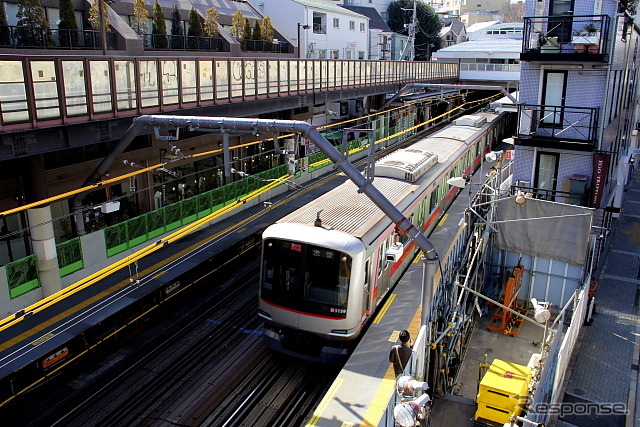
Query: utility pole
(412, 33)
(411, 46)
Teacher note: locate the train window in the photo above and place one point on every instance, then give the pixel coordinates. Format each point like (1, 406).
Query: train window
(380, 260)
(433, 200)
(421, 210)
(385, 246)
(305, 277)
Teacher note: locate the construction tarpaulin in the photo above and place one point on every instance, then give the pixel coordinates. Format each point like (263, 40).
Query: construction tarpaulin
(544, 229)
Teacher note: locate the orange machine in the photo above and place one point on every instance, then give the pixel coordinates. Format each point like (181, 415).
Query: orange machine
(508, 322)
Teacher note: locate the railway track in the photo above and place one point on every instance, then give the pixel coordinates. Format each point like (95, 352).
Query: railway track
(205, 367)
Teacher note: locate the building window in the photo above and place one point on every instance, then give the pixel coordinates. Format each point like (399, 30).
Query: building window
(361, 54)
(352, 25)
(336, 23)
(350, 54)
(334, 54)
(322, 54)
(362, 28)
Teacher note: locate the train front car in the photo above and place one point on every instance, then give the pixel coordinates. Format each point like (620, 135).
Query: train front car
(310, 298)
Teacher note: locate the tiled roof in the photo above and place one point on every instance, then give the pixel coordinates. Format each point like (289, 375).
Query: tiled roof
(375, 20)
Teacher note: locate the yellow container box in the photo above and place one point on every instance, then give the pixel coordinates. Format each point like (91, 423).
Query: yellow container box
(503, 391)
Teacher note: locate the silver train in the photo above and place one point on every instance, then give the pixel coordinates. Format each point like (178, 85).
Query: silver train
(327, 266)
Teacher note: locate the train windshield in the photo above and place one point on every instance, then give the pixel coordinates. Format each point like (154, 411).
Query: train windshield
(305, 277)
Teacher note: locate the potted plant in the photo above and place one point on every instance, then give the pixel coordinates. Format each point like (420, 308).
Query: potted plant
(587, 39)
(549, 44)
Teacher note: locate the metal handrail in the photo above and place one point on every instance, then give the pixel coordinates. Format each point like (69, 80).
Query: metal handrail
(552, 121)
(566, 34)
(18, 37)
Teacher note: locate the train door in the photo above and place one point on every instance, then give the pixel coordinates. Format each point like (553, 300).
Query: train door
(383, 270)
(366, 292)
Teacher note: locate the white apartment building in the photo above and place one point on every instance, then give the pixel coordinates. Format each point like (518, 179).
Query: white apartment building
(321, 28)
(493, 55)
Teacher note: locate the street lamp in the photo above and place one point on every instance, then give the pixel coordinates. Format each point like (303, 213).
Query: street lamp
(304, 27)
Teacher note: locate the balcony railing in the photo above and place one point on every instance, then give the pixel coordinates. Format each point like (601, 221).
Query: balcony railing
(560, 123)
(319, 29)
(46, 38)
(264, 46)
(579, 199)
(172, 42)
(582, 35)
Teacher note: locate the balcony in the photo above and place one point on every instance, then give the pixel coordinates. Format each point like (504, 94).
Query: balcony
(552, 126)
(46, 38)
(580, 198)
(319, 28)
(580, 38)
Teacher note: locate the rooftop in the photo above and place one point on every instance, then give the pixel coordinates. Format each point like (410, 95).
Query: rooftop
(482, 48)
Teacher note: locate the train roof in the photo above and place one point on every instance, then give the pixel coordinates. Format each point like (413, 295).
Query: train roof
(346, 210)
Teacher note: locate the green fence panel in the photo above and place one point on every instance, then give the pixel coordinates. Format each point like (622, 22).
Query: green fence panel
(189, 210)
(155, 223)
(173, 216)
(252, 184)
(204, 204)
(69, 256)
(22, 276)
(242, 189)
(116, 239)
(217, 199)
(231, 192)
(137, 230)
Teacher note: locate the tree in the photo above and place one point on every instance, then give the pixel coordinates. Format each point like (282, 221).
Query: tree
(195, 26)
(68, 37)
(630, 6)
(512, 12)
(177, 32)
(5, 34)
(139, 18)
(246, 30)
(266, 28)
(237, 24)
(159, 27)
(211, 22)
(32, 24)
(256, 34)
(427, 40)
(94, 16)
